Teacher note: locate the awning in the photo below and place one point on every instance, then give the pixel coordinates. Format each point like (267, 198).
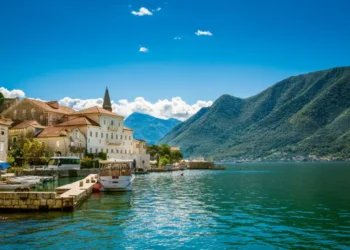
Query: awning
(4, 165)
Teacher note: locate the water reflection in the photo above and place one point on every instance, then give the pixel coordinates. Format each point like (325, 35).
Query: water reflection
(262, 205)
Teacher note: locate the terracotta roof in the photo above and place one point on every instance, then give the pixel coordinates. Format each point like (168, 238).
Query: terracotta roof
(27, 124)
(54, 132)
(47, 106)
(5, 121)
(97, 110)
(125, 128)
(79, 121)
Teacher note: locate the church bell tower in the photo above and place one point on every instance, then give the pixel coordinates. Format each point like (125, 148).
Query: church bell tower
(107, 101)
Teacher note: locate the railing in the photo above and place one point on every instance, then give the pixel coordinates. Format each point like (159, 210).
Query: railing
(113, 128)
(113, 141)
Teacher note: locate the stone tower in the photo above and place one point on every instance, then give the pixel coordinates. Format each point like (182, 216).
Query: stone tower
(107, 101)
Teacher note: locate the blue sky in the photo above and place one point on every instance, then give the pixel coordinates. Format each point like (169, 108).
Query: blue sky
(57, 48)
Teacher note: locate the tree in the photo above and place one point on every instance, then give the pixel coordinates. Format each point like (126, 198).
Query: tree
(34, 152)
(176, 156)
(164, 160)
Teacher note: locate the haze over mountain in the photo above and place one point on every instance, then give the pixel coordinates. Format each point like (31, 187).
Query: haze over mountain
(301, 115)
(149, 128)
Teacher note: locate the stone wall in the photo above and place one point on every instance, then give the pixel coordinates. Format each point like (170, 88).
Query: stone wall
(37, 201)
(200, 165)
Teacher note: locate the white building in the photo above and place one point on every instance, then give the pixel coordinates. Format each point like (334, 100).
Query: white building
(105, 132)
(4, 135)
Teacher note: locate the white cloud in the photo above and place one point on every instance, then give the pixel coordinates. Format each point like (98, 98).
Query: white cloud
(203, 33)
(12, 93)
(177, 38)
(143, 49)
(142, 12)
(165, 109)
(158, 9)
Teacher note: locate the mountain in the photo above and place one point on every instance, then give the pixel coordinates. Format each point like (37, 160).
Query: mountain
(149, 128)
(301, 115)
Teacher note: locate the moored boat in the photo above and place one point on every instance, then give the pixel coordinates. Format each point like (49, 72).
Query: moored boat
(115, 175)
(12, 187)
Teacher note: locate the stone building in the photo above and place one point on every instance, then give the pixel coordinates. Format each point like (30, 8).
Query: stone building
(63, 141)
(5, 103)
(4, 125)
(45, 113)
(23, 130)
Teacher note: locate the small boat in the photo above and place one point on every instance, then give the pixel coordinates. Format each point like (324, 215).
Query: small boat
(12, 187)
(115, 175)
(25, 180)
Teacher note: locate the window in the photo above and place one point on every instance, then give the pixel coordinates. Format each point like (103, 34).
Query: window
(33, 112)
(96, 151)
(126, 137)
(96, 134)
(90, 150)
(107, 135)
(90, 133)
(104, 122)
(107, 150)
(76, 134)
(1, 146)
(112, 136)
(101, 135)
(112, 122)
(2, 132)
(112, 150)
(116, 136)
(129, 137)
(14, 140)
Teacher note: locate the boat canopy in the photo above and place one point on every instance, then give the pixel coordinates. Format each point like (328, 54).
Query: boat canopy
(4, 165)
(113, 161)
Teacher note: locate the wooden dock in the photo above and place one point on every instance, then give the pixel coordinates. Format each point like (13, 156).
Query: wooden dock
(67, 197)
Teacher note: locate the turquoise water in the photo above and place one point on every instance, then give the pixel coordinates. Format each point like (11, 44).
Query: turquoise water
(250, 206)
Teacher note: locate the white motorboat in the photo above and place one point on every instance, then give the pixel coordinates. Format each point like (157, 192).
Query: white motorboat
(115, 175)
(12, 187)
(25, 180)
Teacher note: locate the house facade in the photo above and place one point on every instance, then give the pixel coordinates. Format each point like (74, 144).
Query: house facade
(63, 141)
(4, 133)
(45, 113)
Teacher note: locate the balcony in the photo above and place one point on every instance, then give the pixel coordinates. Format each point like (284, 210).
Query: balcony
(113, 128)
(116, 142)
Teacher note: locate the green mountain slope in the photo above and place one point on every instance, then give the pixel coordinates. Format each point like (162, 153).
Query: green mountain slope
(149, 128)
(289, 116)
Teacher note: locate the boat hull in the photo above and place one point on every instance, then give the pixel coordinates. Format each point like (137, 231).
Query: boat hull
(109, 184)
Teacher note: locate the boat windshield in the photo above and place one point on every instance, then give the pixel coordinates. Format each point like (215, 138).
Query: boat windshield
(121, 169)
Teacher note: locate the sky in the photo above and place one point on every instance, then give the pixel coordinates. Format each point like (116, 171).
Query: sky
(167, 58)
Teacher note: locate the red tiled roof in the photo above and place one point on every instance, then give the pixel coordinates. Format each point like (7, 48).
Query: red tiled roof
(49, 108)
(97, 110)
(79, 121)
(27, 124)
(53, 132)
(126, 128)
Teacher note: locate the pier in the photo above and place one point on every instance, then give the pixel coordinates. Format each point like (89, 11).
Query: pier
(65, 198)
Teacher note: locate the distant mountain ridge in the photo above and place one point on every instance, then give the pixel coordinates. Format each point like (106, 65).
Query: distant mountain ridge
(149, 128)
(305, 114)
